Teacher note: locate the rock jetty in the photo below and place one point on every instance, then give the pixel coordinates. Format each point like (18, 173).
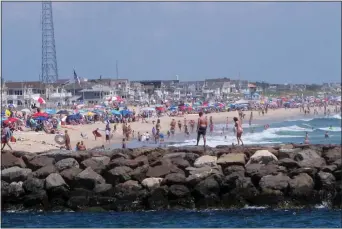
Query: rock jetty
(172, 178)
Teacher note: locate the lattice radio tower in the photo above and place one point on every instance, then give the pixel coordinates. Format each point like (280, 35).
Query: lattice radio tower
(49, 59)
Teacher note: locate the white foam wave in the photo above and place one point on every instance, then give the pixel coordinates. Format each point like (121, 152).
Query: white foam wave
(333, 129)
(337, 116)
(324, 204)
(289, 129)
(254, 207)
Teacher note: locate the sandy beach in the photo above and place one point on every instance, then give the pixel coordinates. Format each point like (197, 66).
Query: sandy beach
(40, 141)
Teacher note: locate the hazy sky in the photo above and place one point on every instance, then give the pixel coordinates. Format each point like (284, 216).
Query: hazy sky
(275, 42)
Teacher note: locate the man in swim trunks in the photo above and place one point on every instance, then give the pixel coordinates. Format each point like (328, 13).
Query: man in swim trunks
(173, 127)
(201, 128)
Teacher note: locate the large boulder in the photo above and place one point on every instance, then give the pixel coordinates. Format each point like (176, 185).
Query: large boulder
(329, 168)
(8, 160)
(199, 174)
(102, 188)
(205, 160)
(234, 169)
(98, 164)
(15, 189)
(123, 162)
(274, 182)
(301, 185)
(159, 170)
(174, 178)
(67, 163)
(38, 200)
(256, 171)
(89, 179)
(152, 182)
(178, 191)
(45, 171)
(38, 162)
(308, 170)
(118, 175)
(33, 185)
(54, 180)
(232, 159)
(139, 174)
(191, 157)
(332, 155)
(325, 181)
(288, 163)
(206, 187)
(69, 175)
(15, 174)
(262, 157)
(180, 162)
(63, 154)
(309, 158)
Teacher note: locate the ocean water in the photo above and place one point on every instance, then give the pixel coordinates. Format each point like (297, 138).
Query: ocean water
(248, 217)
(288, 131)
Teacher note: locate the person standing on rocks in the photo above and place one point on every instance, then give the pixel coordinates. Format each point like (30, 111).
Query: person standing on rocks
(239, 130)
(201, 128)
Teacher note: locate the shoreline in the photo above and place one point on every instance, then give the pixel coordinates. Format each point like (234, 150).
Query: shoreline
(146, 178)
(39, 142)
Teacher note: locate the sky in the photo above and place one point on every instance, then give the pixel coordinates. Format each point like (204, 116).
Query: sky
(262, 41)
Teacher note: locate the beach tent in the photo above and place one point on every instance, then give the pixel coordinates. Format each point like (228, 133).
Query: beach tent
(115, 112)
(50, 111)
(125, 112)
(40, 114)
(63, 112)
(241, 101)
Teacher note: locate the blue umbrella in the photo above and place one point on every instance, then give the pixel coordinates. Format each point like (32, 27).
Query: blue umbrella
(40, 118)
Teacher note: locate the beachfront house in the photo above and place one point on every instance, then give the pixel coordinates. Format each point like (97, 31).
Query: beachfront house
(96, 94)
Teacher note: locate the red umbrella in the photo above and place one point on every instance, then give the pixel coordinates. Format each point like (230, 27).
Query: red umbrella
(40, 115)
(10, 120)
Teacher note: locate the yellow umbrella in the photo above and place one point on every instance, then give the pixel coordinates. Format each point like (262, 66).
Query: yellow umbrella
(90, 113)
(7, 113)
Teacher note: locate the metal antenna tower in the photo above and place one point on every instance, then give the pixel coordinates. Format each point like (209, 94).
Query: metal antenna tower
(49, 60)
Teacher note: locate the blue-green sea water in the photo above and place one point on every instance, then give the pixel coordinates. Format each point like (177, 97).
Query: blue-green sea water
(177, 219)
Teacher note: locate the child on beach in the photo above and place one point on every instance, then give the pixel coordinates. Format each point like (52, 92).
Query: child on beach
(239, 130)
(123, 143)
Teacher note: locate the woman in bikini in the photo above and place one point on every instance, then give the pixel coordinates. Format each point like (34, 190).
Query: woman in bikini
(201, 128)
(239, 130)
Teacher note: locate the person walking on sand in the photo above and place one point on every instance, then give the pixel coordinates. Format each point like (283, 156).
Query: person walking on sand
(211, 125)
(6, 136)
(173, 127)
(107, 134)
(202, 125)
(67, 140)
(250, 118)
(239, 130)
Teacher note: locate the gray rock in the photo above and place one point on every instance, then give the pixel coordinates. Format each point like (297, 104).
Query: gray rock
(8, 160)
(175, 155)
(118, 175)
(309, 158)
(98, 164)
(262, 157)
(233, 169)
(301, 185)
(67, 163)
(180, 162)
(310, 171)
(38, 162)
(63, 154)
(89, 179)
(69, 175)
(178, 191)
(232, 159)
(174, 178)
(159, 170)
(332, 155)
(329, 168)
(15, 174)
(205, 160)
(54, 180)
(139, 174)
(288, 163)
(102, 188)
(152, 182)
(326, 180)
(206, 187)
(15, 189)
(4, 189)
(274, 182)
(45, 171)
(33, 185)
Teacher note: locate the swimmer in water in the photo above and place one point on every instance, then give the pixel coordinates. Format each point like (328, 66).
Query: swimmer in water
(330, 128)
(306, 140)
(326, 134)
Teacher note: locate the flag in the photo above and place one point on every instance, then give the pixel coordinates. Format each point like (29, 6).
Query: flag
(76, 78)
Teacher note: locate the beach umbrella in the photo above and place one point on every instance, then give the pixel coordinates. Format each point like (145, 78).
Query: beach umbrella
(26, 110)
(50, 111)
(90, 113)
(40, 118)
(41, 100)
(63, 112)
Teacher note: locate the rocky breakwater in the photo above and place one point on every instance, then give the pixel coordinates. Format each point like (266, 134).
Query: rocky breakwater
(172, 178)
